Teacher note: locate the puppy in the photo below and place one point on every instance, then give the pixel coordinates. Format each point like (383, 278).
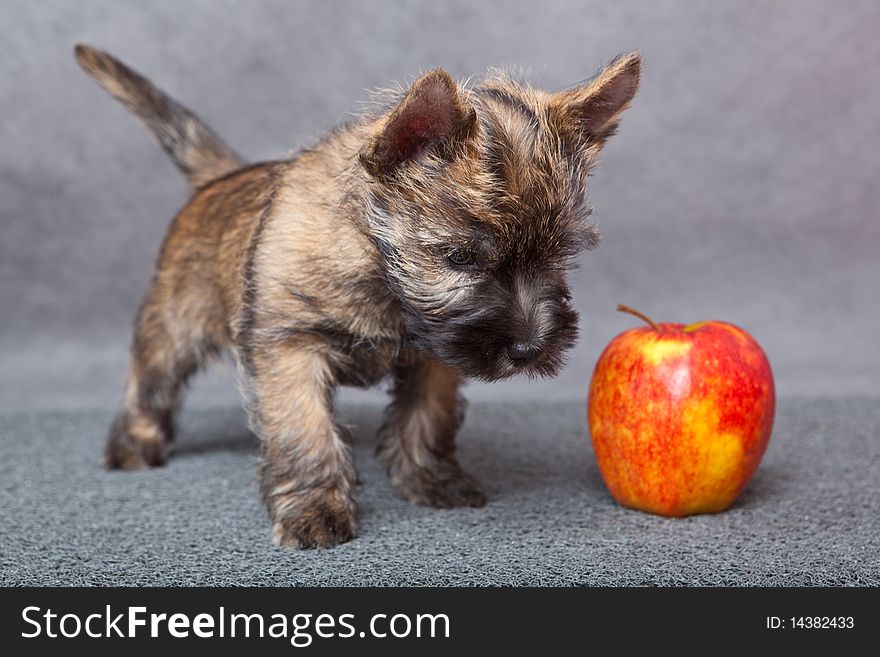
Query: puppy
(428, 242)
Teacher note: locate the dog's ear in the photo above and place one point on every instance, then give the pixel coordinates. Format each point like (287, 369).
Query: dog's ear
(589, 113)
(432, 115)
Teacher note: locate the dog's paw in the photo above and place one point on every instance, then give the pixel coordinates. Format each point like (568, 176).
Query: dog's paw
(134, 455)
(321, 525)
(135, 443)
(445, 487)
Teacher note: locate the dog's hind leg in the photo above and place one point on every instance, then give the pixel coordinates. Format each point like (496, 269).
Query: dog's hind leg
(168, 347)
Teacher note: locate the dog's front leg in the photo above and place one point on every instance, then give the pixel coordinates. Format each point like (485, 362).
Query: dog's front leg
(417, 440)
(307, 471)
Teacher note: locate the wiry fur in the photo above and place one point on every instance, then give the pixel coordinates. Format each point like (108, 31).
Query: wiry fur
(429, 241)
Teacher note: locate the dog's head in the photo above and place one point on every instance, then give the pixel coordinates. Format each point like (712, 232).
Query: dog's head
(478, 205)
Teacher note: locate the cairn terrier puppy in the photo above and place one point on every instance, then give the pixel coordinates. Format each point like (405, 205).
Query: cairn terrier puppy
(428, 241)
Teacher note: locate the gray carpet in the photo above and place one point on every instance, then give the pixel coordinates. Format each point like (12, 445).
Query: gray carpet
(809, 517)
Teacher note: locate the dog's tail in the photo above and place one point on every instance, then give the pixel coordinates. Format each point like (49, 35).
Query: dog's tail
(196, 150)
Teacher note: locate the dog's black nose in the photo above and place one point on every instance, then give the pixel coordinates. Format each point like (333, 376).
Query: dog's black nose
(523, 353)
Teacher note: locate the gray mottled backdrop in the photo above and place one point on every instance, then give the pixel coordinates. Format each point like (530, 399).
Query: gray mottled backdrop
(743, 184)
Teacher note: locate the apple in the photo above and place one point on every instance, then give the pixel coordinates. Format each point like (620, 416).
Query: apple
(680, 415)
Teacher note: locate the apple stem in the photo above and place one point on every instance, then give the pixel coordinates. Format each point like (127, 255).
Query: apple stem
(626, 309)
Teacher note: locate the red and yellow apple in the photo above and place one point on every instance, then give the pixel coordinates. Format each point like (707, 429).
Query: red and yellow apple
(680, 415)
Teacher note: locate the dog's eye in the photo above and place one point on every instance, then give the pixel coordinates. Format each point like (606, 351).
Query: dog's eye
(459, 258)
